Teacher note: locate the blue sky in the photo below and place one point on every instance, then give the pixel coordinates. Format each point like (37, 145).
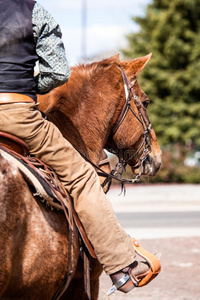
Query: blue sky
(108, 21)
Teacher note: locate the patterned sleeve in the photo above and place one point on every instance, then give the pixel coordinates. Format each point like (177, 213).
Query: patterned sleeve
(53, 67)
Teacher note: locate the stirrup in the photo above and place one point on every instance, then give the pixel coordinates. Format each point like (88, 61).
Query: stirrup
(152, 260)
(128, 282)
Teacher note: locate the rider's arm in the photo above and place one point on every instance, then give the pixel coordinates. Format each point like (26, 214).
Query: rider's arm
(53, 66)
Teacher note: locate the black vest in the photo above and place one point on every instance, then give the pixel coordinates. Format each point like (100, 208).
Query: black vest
(17, 47)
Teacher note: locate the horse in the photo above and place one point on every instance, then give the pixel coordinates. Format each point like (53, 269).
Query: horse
(88, 109)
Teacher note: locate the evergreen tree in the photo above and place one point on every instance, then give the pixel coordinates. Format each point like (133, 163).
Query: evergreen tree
(171, 31)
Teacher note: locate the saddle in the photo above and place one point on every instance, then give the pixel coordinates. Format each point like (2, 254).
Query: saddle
(14, 143)
(44, 180)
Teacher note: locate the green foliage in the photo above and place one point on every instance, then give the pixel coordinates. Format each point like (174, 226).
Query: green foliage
(171, 31)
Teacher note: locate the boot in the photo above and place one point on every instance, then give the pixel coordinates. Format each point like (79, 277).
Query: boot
(128, 278)
(139, 273)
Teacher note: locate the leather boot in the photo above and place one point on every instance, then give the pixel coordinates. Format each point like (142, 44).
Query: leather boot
(128, 278)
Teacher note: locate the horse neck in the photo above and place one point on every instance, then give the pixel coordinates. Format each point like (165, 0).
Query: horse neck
(83, 112)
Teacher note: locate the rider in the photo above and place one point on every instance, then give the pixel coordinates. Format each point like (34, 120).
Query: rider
(28, 34)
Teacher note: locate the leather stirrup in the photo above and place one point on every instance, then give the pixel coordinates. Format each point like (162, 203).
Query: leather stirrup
(152, 260)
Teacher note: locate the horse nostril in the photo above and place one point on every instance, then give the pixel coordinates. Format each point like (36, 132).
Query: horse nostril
(148, 160)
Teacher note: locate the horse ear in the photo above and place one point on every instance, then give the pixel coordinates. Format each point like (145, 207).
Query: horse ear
(114, 58)
(138, 64)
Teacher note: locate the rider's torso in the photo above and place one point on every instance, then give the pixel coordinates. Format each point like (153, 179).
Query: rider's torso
(17, 47)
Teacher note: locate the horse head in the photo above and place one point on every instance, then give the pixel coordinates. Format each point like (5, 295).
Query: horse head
(93, 112)
(132, 137)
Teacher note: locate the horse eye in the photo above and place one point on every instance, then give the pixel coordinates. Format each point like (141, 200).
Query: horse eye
(145, 104)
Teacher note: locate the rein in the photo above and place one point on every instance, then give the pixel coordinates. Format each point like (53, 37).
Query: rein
(144, 120)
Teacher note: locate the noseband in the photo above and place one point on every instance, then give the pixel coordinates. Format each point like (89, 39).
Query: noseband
(142, 117)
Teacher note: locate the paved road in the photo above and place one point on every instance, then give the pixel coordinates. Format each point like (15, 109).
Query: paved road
(152, 198)
(158, 211)
(180, 275)
(160, 219)
(166, 219)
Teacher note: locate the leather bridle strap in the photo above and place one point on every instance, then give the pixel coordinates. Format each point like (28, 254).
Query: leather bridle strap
(128, 87)
(126, 105)
(142, 117)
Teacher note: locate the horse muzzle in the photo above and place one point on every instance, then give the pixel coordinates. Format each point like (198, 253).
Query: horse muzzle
(151, 166)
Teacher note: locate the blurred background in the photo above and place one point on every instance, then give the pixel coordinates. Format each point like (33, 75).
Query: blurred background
(93, 30)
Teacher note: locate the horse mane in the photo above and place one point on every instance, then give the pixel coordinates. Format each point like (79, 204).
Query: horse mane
(81, 78)
(87, 71)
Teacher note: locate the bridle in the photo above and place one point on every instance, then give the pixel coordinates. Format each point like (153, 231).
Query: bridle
(142, 117)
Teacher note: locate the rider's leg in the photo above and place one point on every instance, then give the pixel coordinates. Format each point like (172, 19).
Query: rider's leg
(112, 245)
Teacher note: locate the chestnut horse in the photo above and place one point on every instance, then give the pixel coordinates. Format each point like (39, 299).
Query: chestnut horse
(34, 239)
